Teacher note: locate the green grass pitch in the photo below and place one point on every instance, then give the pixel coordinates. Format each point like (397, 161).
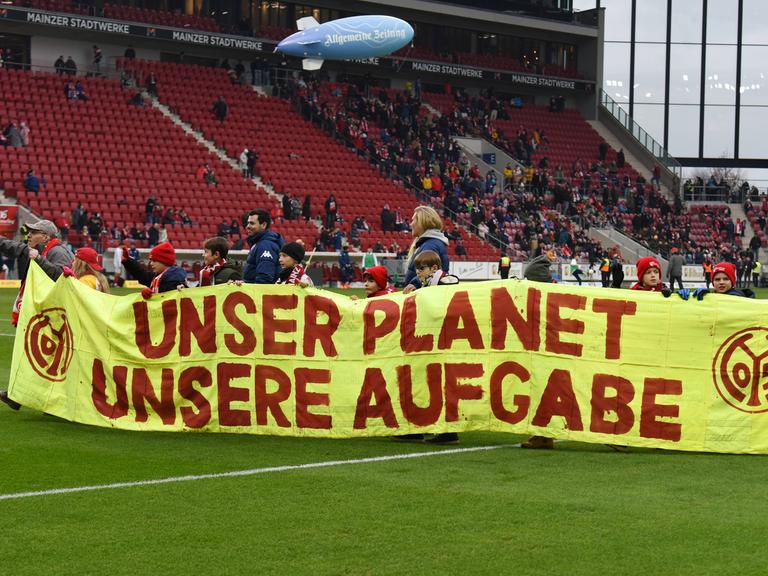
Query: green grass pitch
(580, 509)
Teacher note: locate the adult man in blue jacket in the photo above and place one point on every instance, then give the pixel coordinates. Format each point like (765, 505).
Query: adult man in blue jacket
(262, 265)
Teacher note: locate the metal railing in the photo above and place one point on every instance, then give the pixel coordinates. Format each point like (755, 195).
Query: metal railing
(638, 133)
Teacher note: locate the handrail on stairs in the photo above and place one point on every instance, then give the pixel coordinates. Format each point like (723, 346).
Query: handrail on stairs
(662, 156)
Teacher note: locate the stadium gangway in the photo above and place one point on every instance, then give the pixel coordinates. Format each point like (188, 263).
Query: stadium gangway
(640, 135)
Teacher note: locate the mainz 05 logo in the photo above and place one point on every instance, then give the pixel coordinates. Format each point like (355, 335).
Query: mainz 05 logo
(48, 344)
(740, 370)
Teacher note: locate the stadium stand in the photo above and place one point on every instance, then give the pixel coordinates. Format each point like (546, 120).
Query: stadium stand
(295, 157)
(112, 156)
(162, 18)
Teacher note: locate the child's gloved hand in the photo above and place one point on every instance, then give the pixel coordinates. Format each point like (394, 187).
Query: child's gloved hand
(666, 292)
(684, 293)
(699, 293)
(146, 293)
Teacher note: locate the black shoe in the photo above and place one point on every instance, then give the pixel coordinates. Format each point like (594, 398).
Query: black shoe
(409, 438)
(444, 438)
(11, 404)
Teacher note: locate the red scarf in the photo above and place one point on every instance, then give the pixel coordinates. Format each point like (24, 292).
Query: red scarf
(208, 272)
(292, 277)
(17, 303)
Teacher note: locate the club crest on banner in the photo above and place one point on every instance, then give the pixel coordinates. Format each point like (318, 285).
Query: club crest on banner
(48, 344)
(740, 370)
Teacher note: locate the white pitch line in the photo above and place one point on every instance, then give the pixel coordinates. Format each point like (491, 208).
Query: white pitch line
(9, 335)
(251, 472)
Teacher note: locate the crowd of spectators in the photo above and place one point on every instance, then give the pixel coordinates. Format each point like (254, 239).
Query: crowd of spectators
(536, 207)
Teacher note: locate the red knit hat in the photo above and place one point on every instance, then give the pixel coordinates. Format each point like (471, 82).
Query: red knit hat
(378, 274)
(644, 263)
(90, 257)
(726, 268)
(163, 253)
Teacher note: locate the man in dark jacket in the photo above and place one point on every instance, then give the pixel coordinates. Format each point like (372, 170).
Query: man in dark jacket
(675, 269)
(262, 265)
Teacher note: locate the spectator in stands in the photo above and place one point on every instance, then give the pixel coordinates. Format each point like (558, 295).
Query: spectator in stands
(62, 223)
(184, 218)
(153, 235)
(96, 61)
(24, 133)
(59, 66)
(287, 207)
(224, 229)
(95, 226)
(31, 182)
(220, 109)
(70, 68)
(306, 208)
(169, 218)
(152, 85)
(251, 162)
(387, 219)
(129, 53)
(460, 250)
(602, 150)
(244, 163)
(13, 136)
(331, 210)
(69, 91)
(262, 265)
(165, 275)
(136, 100)
(620, 160)
(80, 91)
(426, 227)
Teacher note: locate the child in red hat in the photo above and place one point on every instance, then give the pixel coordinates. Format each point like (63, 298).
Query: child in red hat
(376, 282)
(649, 276)
(88, 269)
(165, 275)
(724, 281)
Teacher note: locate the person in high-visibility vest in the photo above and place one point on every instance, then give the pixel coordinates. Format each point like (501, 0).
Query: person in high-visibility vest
(504, 265)
(707, 265)
(757, 268)
(605, 271)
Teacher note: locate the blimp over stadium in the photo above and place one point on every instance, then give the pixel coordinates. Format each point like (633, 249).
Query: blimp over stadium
(346, 38)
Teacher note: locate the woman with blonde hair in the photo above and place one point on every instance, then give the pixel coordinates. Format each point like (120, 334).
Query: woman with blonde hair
(88, 270)
(427, 230)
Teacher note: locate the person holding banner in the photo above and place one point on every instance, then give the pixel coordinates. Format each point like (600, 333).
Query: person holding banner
(44, 247)
(217, 269)
(165, 275)
(537, 270)
(649, 276)
(427, 229)
(88, 270)
(292, 272)
(262, 265)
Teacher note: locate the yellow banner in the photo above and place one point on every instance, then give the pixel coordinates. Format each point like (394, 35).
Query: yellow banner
(586, 364)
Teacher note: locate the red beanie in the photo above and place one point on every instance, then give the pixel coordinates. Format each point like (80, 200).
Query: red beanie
(644, 263)
(379, 275)
(163, 253)
(726, 268)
